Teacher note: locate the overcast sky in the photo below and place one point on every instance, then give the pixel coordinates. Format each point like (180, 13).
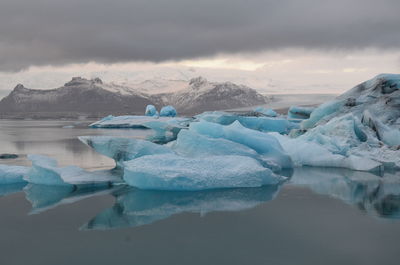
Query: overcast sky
(229, 35)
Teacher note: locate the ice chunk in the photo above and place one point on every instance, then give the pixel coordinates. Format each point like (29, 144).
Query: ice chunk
(123, 149)
(135, 207)
(262, 143)
(151, 111)
(266, 112)
(308, 153)
(321, 112)
(12, 174)
(388, 135)
(45, 171)
(173, 172)
(296, 112)
(192, 144)
(168, 111)
(263, 124)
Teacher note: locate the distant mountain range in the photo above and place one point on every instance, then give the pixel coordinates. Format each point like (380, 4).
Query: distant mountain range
(94, 98)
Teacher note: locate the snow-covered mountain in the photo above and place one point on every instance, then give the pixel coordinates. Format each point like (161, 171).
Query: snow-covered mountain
(96, 98)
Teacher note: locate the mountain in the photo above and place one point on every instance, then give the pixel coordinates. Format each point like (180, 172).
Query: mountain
(94, 98)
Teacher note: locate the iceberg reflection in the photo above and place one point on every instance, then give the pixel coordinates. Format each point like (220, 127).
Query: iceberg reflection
(377, 196)
(45, 197)
(136, 207)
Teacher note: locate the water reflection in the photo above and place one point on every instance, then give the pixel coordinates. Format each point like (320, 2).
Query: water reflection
(135, 207)
(45, 197)
(377, 196)
(8, 189)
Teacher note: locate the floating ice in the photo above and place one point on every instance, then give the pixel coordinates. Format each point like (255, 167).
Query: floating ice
(308, 153)
(45, 171)
(263, 124)
(296, 112)
(151, 111)
(12, 174)
(266, 112)
(262, 143)
(168, 111)
(123, 149)
(173, 172)
(192, 144)
(135, 207)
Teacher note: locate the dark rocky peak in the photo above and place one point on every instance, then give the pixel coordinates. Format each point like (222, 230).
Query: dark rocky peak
(198, 82)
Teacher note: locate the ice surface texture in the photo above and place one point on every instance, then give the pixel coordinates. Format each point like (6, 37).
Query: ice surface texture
(263, 124)
(173, 172)
(168, 111)
(151, 111)
(12, 174)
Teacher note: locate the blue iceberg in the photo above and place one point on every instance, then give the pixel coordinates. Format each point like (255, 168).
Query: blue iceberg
(151, 111)
(168, 111)
(173, 172)
(266, 111)
(296, 112)
(264, 144)
(263, 124)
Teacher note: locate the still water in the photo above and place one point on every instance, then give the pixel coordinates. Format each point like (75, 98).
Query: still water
(320, 216)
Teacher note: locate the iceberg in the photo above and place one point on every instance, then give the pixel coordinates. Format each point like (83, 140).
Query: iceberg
(192, 144)
(133, 122)
(135, 207)
(151, 111)
(12, 174)
(266, 112)
(45, 171)
(263, 124)
(308, 153)
(264, 144)
(123, 149)
(296, 112)
(168, 111)
(173, 172)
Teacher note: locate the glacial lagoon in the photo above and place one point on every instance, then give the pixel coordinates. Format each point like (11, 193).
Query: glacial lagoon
(317, 216)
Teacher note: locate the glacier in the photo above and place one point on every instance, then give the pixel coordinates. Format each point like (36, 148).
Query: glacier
(173, 172)
(135, 207)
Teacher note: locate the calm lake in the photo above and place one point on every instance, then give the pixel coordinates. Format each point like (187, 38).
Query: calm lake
(319, 216)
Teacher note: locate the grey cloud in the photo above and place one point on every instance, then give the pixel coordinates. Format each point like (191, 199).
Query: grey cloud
(37, 32)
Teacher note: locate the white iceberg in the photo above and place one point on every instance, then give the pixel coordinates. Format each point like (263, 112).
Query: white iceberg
(173, 172)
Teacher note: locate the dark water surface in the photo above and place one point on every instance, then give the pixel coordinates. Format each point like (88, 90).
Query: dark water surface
(320, 216)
